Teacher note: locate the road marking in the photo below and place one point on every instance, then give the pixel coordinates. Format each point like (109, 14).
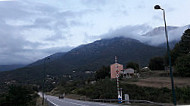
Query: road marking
(64, 101)
(73, 103)
(52, 102)
(88, 102)
(76, 102)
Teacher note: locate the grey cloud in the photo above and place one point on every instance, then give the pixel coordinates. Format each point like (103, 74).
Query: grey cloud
(38, 7)
(173, 35)
(157, 17)
(57, 49)
(57, 36)
(94, 2)
(120, 12)
(12, 44)
(13, 59)
(90, 38)
(16, 50)
(39, 23)
(138, 32)
(13, 10)
(75, 23)
(141, 5)
(128, 31)
(74, 14)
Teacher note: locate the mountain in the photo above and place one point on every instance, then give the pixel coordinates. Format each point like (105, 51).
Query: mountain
(156, 37)
(51, 58)
(159, 30)
(86, 57)
(10, 67)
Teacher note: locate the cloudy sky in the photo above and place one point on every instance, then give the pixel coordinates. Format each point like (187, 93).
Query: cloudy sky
(33, 29)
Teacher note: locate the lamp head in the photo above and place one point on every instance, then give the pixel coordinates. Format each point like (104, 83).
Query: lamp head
(157, 7)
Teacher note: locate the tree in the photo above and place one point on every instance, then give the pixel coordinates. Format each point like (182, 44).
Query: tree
(156, 63)
(182, 48)
(183, 65)
(19, 96)
(133, 65)
(180, 55)
(102, 73)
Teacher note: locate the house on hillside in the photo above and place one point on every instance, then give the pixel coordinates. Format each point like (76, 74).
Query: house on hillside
(128, 73)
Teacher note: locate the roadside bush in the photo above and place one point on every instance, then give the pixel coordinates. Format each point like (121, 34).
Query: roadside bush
(182, 65)
(102, 89)
(183, 94)
(147, 93)
(19, 95)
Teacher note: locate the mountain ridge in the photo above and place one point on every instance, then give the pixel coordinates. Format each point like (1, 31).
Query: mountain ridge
(11, 67)
(87, 57)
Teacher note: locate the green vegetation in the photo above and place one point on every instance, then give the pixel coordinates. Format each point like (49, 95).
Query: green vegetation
(102, 73)
(102, 89)
(156, 63)
(18, 95)
(106, 89)
(182, 48)
(162, 95)
(183, 65)
(181, 55)
(67, 87)
(133, 65)
(183, 94)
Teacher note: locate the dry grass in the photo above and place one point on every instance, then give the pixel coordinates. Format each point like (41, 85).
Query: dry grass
(153, 79)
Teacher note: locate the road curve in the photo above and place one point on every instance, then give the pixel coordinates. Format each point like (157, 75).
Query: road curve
(70, 102)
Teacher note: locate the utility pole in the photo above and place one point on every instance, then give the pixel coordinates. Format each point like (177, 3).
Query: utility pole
(169, 55)
(117, 76)
(44, 78)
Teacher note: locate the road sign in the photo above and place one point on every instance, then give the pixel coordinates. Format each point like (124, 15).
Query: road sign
(126, 98)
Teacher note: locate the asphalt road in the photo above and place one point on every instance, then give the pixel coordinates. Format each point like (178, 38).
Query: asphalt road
(70, 102)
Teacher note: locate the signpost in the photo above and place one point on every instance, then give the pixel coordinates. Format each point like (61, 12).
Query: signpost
(127, 98)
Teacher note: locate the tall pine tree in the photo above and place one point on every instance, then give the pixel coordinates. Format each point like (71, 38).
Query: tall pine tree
(182, 48)
(181, 55)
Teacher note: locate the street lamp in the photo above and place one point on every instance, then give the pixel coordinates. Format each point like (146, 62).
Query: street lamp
(168, 51)
(44, 76)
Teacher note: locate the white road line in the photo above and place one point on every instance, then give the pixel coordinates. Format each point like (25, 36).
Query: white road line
(67, 102)
(74, 103)
(52, 102)
(99, 103)
(77, 102)
(104, 104)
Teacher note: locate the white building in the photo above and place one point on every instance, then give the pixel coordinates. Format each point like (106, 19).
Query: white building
(128, 73)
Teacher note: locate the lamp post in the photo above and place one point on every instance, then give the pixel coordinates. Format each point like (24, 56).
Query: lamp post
(168, 51)
(44, 76)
